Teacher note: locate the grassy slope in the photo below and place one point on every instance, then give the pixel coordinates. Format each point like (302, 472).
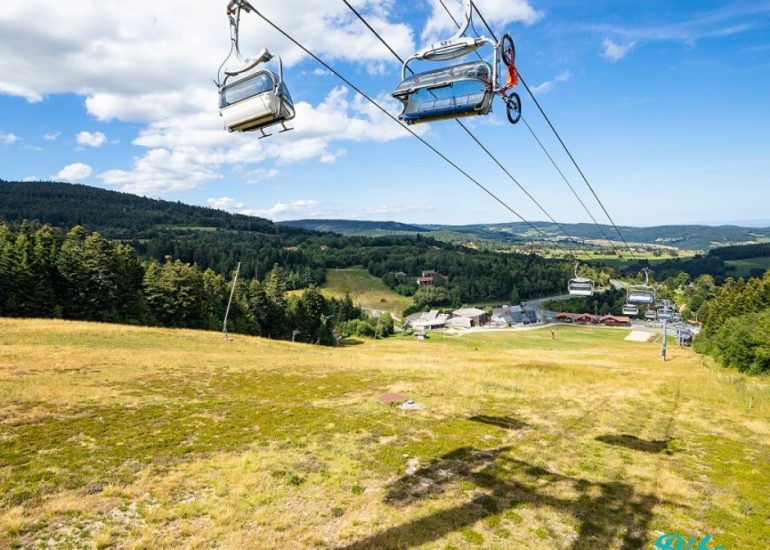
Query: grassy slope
(364, 289)
(156, 438)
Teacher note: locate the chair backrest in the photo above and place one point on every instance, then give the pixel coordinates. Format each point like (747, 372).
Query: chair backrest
(250, 85)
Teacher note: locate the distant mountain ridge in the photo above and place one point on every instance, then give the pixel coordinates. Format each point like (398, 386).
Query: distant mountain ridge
(690, 237)
(123, 215)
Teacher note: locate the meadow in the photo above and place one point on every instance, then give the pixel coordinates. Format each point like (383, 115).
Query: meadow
(127, 437)
(743, 268)
(366, 290)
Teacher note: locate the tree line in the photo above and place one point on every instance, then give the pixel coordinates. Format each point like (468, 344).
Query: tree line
(736, 325)
(78, 275)
(218, 240)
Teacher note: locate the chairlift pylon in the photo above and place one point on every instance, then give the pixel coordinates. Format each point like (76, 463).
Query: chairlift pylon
(460, 90)
(251, 98)
(580, 286)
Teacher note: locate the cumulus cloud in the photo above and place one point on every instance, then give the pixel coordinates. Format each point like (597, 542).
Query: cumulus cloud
(498, 13)
(74, 172)
(8, 139)
(95, 139)
(283, 209)
(187, 151)
(614, 51)
(401, 209)
(226, 203)
(153, 64)
(162, 171)
(259, 175)
(548, 85)
(154, 55)
(52, 136)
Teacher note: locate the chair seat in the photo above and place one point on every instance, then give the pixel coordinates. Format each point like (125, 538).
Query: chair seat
(451, 107)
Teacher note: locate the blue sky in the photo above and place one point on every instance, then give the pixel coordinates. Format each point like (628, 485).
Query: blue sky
(664, 104)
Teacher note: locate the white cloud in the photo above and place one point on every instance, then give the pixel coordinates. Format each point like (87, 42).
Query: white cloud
(498, 13)
(614, 51)
(548, 85)
(189, 150)
(402, 209)
(283, 209)
(52, 136)
(153, 64)
(74, 172)
(259, 175)
(162, 171)
(28, 179)
(727, 20)
(95, 139)
(8, 139)
(225, 203)
(163, 52)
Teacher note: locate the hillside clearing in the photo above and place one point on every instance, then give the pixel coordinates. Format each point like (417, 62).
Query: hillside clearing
(744, 268)
(154, 438)
(366, 290)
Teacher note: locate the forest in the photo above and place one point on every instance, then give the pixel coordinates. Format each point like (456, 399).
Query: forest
(217, 240)
(83, 276)
(736, 325)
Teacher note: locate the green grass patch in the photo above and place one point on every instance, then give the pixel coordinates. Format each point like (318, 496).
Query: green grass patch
(365, 290)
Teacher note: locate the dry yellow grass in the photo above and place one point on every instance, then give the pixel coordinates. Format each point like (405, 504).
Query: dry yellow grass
(151, 438)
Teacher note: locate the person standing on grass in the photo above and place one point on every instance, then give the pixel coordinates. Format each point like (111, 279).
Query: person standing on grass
(553, 335)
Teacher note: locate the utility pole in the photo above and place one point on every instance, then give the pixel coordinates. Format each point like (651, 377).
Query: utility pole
(663, 343)
(230, 301)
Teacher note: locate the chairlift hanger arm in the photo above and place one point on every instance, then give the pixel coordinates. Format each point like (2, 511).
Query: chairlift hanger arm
(236, 5)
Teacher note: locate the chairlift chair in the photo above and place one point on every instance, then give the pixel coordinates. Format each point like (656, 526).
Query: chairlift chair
(650, 315)
(630, 309)
(641, 294)
(462, 90)
(580, 286)
(252, 98)
(665, 315)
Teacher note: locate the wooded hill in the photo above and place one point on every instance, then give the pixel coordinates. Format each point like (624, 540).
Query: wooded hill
(217, 240)
(684, 237)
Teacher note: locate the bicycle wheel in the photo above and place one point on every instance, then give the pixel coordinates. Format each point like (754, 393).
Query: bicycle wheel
(513, 108)
(508, 50)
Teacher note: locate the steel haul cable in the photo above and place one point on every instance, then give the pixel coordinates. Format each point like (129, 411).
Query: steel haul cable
(556, 133)
(412, 132)
(468, 131)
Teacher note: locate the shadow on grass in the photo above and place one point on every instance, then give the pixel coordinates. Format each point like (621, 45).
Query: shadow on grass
(633, 442)
(608, 514)
(500, 421)
(347, 342)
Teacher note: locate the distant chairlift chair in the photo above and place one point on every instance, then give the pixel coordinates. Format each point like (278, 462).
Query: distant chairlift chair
(650, 315)
(580, 286)
(641, 294)
(630, 309)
